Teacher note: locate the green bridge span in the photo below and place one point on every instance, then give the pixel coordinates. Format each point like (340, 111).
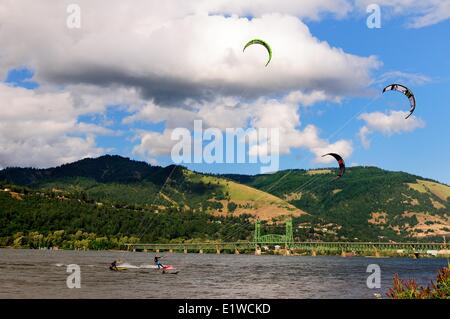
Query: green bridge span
(286, 245)
(293, 247)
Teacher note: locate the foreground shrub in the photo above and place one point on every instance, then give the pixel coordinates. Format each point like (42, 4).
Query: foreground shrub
(408, 289)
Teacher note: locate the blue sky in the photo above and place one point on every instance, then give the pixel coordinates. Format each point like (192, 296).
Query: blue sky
(420, 51)
(416, 57)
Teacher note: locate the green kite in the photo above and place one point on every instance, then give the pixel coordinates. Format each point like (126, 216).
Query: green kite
(263, 43)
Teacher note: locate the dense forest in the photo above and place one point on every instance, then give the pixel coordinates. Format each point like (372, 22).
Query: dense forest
(49, 213)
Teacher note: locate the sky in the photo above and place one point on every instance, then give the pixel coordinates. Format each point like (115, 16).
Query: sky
(105, 77)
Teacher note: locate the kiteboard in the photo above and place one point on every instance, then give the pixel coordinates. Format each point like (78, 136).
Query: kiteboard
(118, 268)
(169, 269)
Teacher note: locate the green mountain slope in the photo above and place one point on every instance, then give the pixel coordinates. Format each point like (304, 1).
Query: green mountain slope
(118, 181)
(368, 203)
(112, 195)
(114, 180)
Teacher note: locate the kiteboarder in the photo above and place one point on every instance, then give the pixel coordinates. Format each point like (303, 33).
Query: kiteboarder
(157, 262)
(113, 266)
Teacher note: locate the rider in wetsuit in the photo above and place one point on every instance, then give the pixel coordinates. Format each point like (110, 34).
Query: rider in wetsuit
(113, 265)
(157, 262)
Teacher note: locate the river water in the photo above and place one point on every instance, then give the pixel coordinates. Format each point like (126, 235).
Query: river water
(43, 274)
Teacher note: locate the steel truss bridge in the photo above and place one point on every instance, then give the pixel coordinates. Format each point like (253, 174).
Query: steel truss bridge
(324, 247)
(287, 244)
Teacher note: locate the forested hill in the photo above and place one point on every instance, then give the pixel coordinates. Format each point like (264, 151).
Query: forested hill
(105, 169)
(368, 202)
(116, 196)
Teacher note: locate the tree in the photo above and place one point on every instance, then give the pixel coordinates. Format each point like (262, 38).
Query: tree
(231, 207)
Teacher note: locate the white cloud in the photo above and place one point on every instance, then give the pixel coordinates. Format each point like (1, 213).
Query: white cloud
(152, 113)
(174, 62)
(154, 144)
(308, 99)
(41, 129)
(421, 13)
(312, 9)
(387, 124)
(403, 77)
(391, 124)
(228, 113)
(363, 136)
(436, 12)
(310, 139)
(177, 51)
(92, 99)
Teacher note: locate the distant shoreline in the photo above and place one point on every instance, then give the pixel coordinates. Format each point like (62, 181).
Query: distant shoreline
(441, 255)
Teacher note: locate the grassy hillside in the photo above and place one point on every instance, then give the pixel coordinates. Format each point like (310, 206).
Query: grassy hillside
(367, 203)
(120, 182)
(240, 199)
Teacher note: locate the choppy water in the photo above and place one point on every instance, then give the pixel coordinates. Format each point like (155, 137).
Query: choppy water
(42, 274)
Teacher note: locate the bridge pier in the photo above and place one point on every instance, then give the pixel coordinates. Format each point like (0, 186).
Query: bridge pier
(217, 250)
(200, 251)
(157, 250)
(185, 250)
